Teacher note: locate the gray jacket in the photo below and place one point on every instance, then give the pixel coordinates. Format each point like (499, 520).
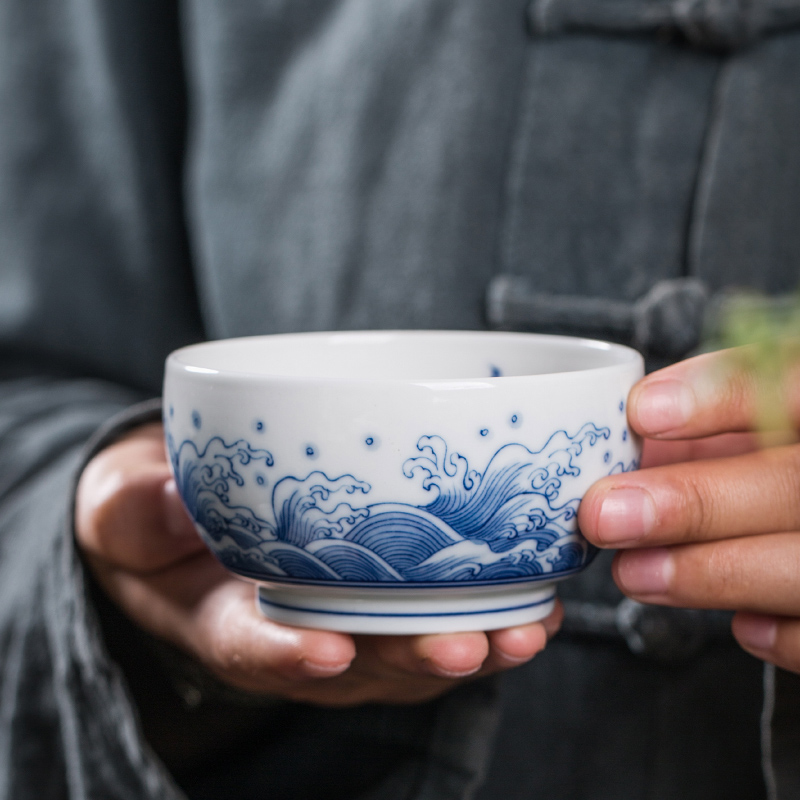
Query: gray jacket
(170, 173)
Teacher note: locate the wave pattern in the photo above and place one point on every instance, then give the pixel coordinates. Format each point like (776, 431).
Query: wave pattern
(207, 481)
(514, 520)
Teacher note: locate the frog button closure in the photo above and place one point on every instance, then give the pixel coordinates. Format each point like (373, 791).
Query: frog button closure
(654, 632)
(666, 322)
(674, 318)
(714, 25)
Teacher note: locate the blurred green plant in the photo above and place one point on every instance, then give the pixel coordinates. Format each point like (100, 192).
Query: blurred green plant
(762, 336)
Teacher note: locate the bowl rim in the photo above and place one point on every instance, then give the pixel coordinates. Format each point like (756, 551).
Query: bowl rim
(625, 357)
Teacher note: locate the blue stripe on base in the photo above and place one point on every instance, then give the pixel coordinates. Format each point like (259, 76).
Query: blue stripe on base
(285, 580)
(377, 614)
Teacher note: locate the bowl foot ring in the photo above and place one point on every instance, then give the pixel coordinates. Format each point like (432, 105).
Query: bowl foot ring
(405, 612)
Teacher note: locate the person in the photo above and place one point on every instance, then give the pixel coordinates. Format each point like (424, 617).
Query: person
(177, 172)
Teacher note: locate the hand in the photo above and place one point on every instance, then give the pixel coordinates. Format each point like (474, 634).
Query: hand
(712, 520)
(147, 556)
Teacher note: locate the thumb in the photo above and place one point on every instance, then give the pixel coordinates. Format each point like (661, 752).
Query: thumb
(128, 512)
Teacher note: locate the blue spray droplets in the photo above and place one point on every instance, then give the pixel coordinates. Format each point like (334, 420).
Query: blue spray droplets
(259, 426)
(196, 420)
(484, 431)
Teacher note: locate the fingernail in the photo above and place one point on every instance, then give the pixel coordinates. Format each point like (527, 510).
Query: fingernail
(451, 673)
(514, 661)
(316, 670)
(664, 405)
(756, 632)
(175, 516)
(626, 515)
(645, 572)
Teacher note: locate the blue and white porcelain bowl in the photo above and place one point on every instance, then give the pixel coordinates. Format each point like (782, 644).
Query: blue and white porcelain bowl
(398, 482)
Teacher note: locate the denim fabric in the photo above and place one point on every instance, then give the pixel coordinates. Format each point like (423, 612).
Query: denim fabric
(169, 172)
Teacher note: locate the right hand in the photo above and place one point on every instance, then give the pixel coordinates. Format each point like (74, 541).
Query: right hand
(147, 556)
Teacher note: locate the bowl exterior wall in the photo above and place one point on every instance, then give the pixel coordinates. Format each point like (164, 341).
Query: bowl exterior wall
(396, 484)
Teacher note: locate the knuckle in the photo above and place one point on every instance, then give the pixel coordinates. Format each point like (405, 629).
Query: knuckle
(737, 393)
(123, 475)
(788, 478)
(119, 515)
(225, 654)
(97, 504)
(697, 509)
(223, 639)
(231, 651)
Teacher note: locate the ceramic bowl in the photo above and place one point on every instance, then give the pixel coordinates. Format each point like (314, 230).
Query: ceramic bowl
(398, 482)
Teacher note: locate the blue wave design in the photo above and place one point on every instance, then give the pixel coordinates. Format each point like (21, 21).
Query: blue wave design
(514, 520)
(402, 536)
(517, 495)
(309, 509)
(207, 481)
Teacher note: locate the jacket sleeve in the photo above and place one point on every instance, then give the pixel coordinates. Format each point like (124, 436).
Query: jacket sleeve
(67, 727)
(95, 290)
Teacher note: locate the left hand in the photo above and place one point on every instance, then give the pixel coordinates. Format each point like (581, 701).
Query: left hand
(712, 520)
(145, 553)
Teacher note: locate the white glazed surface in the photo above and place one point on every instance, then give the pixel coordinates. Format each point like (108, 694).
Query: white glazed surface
(398, 482)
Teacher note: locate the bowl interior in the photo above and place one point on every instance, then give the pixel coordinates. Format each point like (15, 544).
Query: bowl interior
(402, 355)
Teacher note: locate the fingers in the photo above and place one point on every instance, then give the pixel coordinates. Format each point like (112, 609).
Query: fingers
(238, 642)
(768, 637)
(128, 511)
(704, 396)
(459, 655)
(198, 606)
(150, 561)
(511, 647)
(660, 452)
(709, 534)
(700, 501)
(756, 573)
(450, 655)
